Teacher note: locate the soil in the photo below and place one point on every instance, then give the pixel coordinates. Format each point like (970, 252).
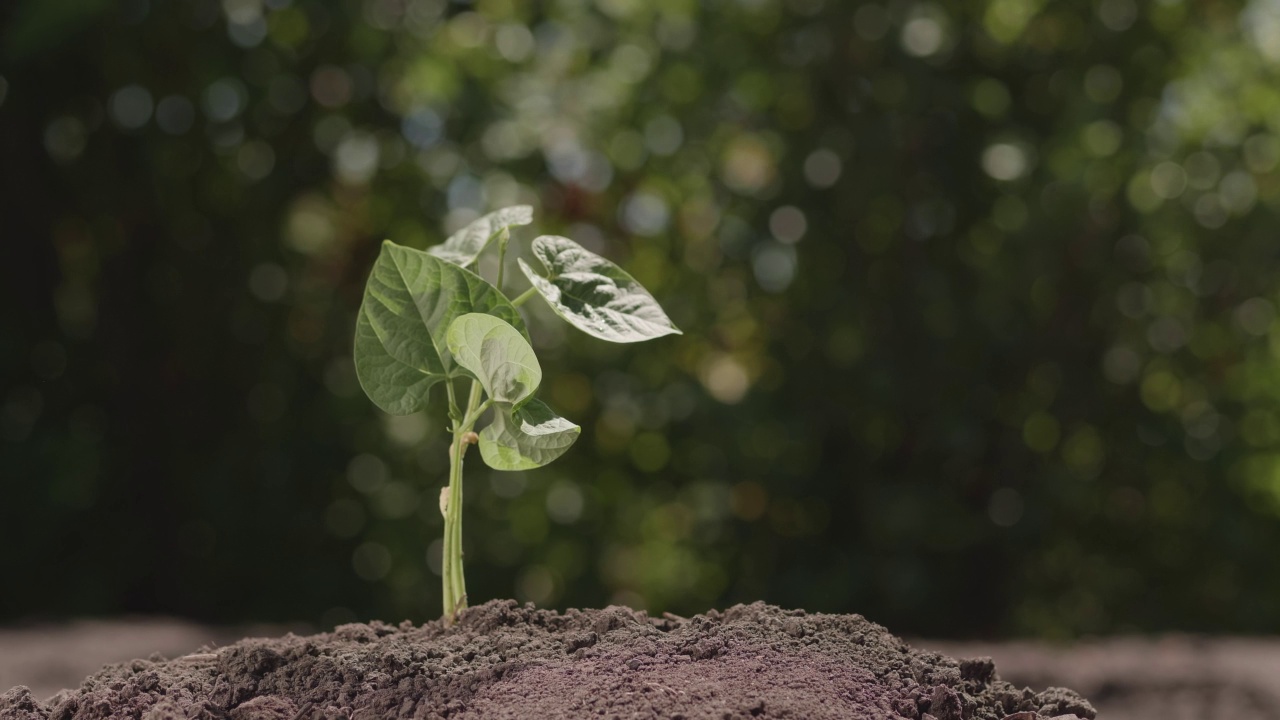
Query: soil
(502, 660)
(1171, 677)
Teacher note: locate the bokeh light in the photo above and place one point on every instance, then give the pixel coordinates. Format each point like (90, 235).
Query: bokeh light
(979, 306)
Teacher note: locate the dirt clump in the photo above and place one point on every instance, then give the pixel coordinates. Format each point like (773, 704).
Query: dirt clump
(506, 661)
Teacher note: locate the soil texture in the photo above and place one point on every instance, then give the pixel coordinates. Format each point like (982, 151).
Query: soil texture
(502, 660)
(1173, 677)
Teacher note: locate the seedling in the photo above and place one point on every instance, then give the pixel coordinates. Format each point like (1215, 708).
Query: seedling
(427, 318)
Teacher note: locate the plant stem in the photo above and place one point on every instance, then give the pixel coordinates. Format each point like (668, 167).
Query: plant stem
(454, 582)
(475, 414)
(453, 403)
(524, 296)
(473, 401)
(449, 592)
(503, 239)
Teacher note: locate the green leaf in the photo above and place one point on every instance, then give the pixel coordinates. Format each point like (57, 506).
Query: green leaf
(396, 377)
(463, 247)
(496, 354)
(594, 295)
(409, 302)
(528, 438)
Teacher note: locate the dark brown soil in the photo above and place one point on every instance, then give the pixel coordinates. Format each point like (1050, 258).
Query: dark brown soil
(1171, 677)
(506, 661)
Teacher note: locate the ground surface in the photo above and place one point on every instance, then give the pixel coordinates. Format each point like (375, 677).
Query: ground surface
(1188, 678)
(506, 661)
(1169, 678)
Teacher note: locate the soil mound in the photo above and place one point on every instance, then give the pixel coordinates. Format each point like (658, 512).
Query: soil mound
(502, 660)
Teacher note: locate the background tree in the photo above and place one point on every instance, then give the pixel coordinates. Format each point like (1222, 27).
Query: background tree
(979, 304)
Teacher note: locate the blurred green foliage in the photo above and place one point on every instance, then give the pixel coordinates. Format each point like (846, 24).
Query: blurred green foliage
(979, 300)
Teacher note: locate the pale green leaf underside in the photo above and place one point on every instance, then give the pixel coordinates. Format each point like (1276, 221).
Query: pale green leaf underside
(528, 438)
(497, 355)
(595, 295)
(463, 247)
(410, 300)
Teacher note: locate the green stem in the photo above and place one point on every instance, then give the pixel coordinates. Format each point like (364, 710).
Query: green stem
(473, 416)
(448, 589)
(523, 297)
(453, 403)
(503, 239)
(473, 403)
(454, 582)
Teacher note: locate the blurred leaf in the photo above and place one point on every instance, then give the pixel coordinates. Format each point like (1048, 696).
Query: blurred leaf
(463, 247)
(497, 355)
(43, 25)
(409, 302)
(594, 295)
(527, 438)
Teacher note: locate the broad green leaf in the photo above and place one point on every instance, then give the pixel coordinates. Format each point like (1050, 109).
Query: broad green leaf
(463, 247)
(497, 355)
(527, 438)
(594, 295)
(409, 302)
(395, 378)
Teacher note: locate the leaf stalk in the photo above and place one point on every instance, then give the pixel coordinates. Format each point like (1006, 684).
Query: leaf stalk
(503, 238)
(523, 297)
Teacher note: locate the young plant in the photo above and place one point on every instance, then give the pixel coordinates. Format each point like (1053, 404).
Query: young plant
(427, 319)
